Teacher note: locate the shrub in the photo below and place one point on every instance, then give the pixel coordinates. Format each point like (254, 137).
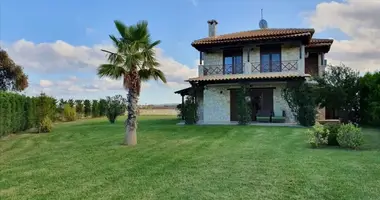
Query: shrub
(243, 106)
(302, 99)
(350, 136)
(318, 135)
(191, 109)
(116, 106)
(332, 129)
(69, 113)
(45, 126)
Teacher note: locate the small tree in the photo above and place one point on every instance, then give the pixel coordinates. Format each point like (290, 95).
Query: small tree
(116, 106)
(71, 102)
(87, 108)
(79, 106)
(69, 112)
(102, 107)
(190, 110)
(244, 109)
(45, 111)
(301, 98)
(95, 108)
(339, 88)
(370, 99)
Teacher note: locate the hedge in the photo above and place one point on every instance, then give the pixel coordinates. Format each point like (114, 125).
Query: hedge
(20, 113)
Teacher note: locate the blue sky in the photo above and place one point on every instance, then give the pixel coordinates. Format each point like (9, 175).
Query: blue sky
(29, 30)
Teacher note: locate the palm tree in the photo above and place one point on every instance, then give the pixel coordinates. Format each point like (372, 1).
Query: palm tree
(134, 61)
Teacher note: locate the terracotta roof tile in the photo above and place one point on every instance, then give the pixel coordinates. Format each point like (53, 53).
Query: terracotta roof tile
(253, 35)
(268, 75)
(314, 42)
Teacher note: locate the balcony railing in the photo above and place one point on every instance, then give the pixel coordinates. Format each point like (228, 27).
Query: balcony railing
(223, 69)
(274, 66)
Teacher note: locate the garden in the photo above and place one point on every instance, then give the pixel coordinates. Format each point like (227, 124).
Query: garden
(76, 148)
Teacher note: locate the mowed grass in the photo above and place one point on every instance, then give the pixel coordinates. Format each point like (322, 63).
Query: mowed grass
(84, 160)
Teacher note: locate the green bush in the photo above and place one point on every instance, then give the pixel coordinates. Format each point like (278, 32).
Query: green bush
(191, 110)
(318, 135)
(46, 125)
(243, 106)
(332, 129)
(116, 106)
(69, 113)
(350, 136)
(302, 100)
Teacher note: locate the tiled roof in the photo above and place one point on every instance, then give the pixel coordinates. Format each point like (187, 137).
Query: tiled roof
(253, 35)
(320, 42)
(269, 75)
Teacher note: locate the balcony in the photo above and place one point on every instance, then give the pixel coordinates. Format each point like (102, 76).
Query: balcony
(250, 67)
(274, 66)
(223, 69)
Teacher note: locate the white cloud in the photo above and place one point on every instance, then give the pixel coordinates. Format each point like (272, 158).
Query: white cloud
(75, 62)
(46, 83)
(358, 19)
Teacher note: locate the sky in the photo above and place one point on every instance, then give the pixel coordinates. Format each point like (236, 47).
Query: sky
(58, 42)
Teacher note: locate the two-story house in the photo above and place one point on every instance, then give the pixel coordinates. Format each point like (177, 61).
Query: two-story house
(265, 59)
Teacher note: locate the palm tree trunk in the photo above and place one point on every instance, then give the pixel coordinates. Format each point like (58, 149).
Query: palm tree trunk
(131, 121)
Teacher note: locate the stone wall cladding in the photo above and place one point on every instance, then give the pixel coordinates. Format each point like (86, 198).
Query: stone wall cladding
(289, 54)
(280, 104)
(216, 104)
(214, 59)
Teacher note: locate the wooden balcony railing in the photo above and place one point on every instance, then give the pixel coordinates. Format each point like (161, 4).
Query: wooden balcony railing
(274, 66)
(223, 69)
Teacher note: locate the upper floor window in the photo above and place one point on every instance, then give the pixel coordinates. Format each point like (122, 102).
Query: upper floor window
(233, 61)
(270, 58)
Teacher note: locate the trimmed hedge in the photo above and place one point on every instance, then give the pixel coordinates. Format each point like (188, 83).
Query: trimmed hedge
(19, 112)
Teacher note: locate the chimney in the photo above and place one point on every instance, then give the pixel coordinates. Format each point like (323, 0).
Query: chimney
(212, 27)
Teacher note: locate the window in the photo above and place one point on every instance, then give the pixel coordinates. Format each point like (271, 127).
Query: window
(270, 58)
(233, 62)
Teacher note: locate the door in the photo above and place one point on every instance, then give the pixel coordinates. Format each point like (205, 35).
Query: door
(262, 102)
(270, 58)
(233, 62)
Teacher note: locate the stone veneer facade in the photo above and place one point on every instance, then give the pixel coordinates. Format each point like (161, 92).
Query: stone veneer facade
(215, 103)
(288, 53)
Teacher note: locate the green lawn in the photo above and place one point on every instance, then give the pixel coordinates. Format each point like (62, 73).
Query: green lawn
(84, 160)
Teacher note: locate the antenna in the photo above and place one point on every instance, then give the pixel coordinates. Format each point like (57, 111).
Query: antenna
(263, 24)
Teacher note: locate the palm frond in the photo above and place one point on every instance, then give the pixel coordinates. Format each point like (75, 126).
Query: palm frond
(111, 70)
(148, 73)
(121, 27)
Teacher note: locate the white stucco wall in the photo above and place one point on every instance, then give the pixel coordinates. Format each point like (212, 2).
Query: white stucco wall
(216, 105)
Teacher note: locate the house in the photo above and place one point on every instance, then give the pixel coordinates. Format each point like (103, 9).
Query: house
(266, 60)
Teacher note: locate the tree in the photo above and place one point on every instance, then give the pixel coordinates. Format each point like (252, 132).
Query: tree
(115, 106)
(302, 100)
(12, 76)
(134, 61)
(95, 108)
(87, 108)
(79, 106)
(102, 107)
(338, 88)
(370, 99)
(71, 103)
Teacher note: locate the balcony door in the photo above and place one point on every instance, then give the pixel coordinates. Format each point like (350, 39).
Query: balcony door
(270, 58)
(233, 61)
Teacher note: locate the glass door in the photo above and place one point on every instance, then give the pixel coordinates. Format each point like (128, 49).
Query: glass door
(233, 62)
